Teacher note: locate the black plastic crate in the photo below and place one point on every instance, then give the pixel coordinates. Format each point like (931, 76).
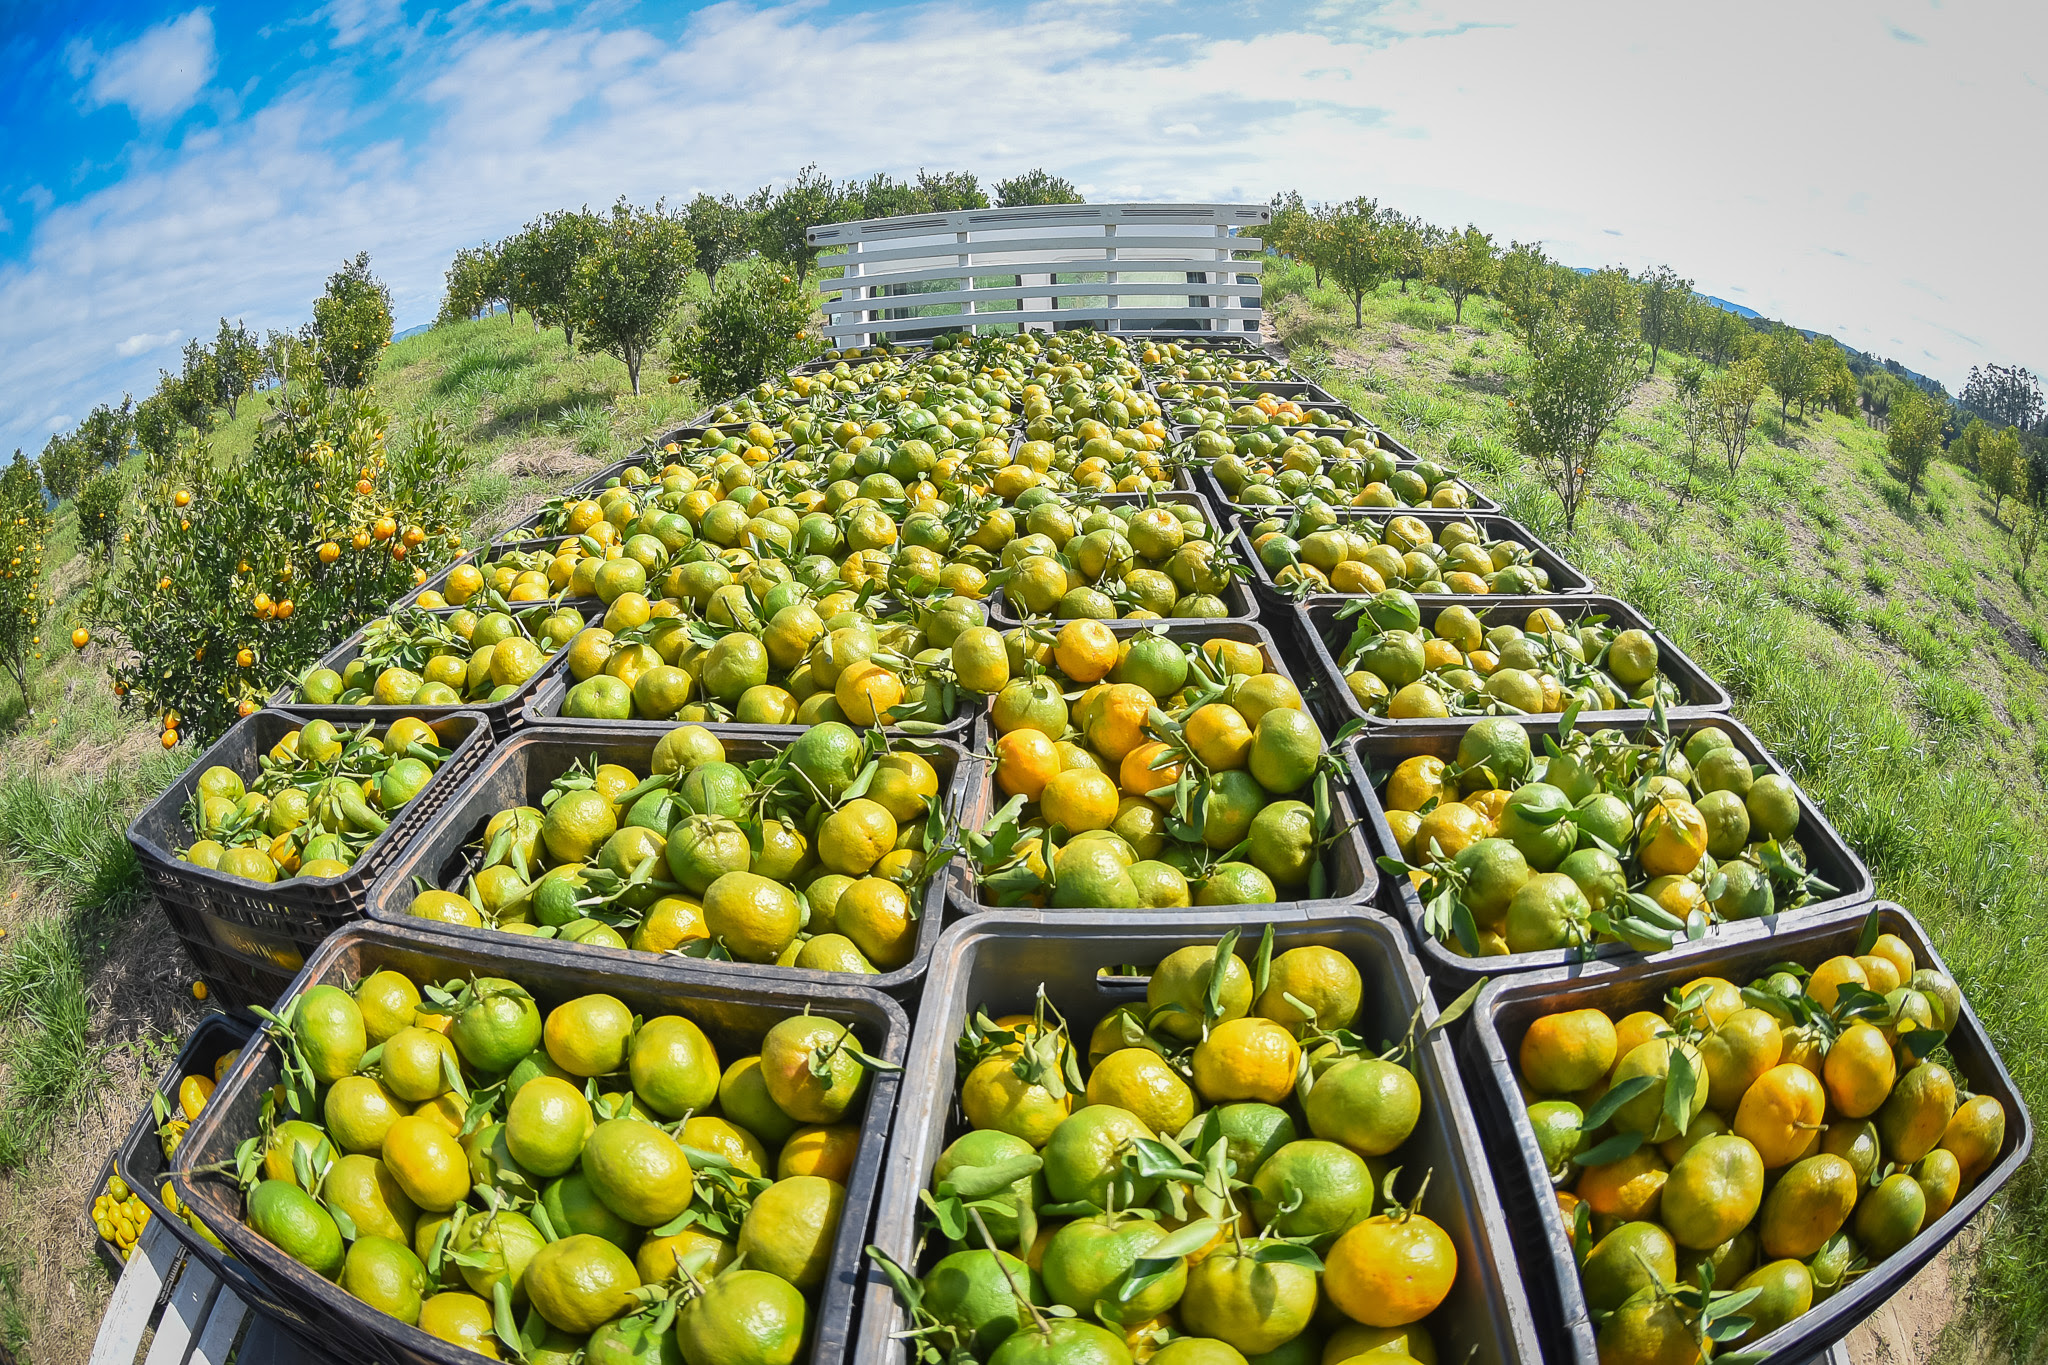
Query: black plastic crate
(277, 923)
(1236, 596)
(521, 769)
(1324, 631)
(734, 1013)
(505, 716)
(997, 961)
(1353, 878)
(1564, 579)
(1503, 1013)
(1376, 754)
(140, 1158)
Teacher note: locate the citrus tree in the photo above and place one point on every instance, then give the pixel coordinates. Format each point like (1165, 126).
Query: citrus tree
(1355, 250)
(1914, 437)
(1579, 380)
(627, 285)
(352, 323)
(237, 577)
(1463, 264)
(24, 522)
(476, 281)
(755, 324)
(99, 513)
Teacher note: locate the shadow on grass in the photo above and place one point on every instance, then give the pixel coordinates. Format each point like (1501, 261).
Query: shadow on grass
(515, 418)
(493, 364)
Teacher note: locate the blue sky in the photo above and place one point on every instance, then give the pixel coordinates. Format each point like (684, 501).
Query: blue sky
(1864, 169)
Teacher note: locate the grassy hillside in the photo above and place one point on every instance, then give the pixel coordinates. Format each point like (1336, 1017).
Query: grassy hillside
(1884, 648)
(94, 993)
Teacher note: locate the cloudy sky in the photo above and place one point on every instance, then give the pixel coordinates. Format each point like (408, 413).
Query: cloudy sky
(1867, 168)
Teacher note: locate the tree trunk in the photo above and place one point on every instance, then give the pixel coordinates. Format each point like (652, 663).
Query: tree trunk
(1358, 311)
(1457, 310)
(1653, 357)
(632, 359)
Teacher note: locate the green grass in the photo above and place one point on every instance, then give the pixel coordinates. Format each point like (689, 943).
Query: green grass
(1895, 731)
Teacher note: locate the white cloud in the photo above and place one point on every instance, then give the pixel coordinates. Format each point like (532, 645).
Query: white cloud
(1743, 164)
(146, 341)
(157, 75)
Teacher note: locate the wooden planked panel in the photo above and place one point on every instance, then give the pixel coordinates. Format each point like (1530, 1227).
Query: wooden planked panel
(1040, 215)
(185, 1314)
(1120, 267)
(1089, 290)
(850, 326)
(985, 248)
(954, 250)
(217, 1341)
(133, 1303)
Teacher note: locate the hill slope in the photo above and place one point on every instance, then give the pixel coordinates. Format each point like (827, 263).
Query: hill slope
(1884, 648)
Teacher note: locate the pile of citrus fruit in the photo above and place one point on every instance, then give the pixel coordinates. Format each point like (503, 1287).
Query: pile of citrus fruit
(192, 1094)
(416, 657)
(119, 1215)
(815, 856)
(519, 1179)
(323, 794)
(1117, 561)
(1177, 774)
(1315, 550)
(1213, 1176)
(1173, 362)
(1736, 1158)
(792, 659)
(1398, 668)
(1604, 838)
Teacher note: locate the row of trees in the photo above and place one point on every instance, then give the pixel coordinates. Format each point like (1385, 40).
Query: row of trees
(615, 282)
(1593, 336)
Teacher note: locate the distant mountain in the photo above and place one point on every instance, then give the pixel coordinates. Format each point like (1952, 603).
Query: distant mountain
(1859, 361)
(412, 331)
(1735, 308)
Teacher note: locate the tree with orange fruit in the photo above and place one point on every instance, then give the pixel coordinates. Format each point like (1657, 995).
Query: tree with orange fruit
(238, 577)
(24, 522)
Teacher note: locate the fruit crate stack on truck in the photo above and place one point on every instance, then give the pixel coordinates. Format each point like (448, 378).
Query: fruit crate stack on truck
(1182, 765)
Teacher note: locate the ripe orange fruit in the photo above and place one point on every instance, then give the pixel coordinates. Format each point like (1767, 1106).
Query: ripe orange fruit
(329, 552)
(181, 498)
(170, 739)
(362, 540)
(384, 528)
(365, 487)
(1025, 761)
(245, 658)
(284, 609)
(414, 536)
(80, 638)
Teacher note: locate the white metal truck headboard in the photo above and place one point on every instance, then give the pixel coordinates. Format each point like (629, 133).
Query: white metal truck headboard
(1117, 267)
